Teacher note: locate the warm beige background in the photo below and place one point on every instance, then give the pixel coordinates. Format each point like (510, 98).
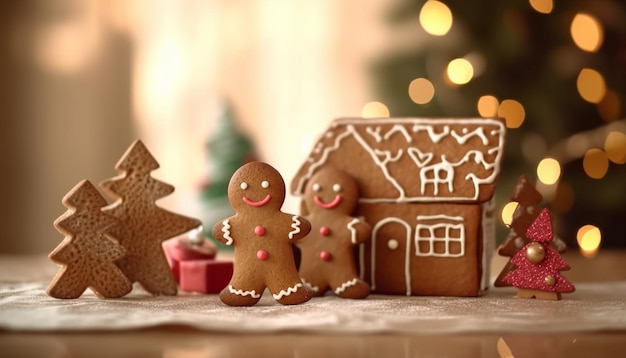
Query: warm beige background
(80, 79)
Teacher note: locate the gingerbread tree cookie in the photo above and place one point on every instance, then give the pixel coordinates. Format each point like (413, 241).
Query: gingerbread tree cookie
(328, 251)
(538, 264)
(528, 200)
(262, 238)
(87, 253)
(529, 205)
(145, 225)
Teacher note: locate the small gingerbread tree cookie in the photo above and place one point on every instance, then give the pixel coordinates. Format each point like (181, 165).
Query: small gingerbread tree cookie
(87, 253)
(145, 225)
(528, 207)
(538, 264)
(328, 251)
(262, 237)
(529, 201)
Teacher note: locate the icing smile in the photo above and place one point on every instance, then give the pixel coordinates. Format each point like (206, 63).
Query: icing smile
(257, 203)
(330, 205)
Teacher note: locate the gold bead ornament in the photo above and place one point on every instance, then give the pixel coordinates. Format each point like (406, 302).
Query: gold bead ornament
(549, 280)
(535, 253)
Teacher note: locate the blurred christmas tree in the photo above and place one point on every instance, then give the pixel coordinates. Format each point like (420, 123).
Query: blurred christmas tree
(227, 149)
(555, 71)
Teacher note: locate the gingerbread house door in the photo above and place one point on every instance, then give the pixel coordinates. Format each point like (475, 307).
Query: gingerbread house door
(390, 257)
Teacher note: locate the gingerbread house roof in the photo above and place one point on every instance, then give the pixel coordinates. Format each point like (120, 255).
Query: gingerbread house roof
(412, 159)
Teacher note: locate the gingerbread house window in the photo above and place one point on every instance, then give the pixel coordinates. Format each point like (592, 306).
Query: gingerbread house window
(440, 236)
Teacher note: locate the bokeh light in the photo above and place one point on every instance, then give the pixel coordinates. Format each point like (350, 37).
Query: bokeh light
(587, 32)
(421, 91)
(460, 71)
(375, 109)
(507, 212)
(595, 163)
(615, 147)
(436, 18)
(589, 238)
(488, 106)
(548, 171)
(591, 85)
(542, 6)
(513, 113)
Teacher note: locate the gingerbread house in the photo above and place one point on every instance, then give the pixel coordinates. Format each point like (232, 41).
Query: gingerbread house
(426, 187)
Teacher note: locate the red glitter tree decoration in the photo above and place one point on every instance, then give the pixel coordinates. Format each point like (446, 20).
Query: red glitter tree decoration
(538, 265)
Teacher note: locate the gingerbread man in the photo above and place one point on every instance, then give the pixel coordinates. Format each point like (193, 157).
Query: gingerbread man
(328, 252)
(262, 237)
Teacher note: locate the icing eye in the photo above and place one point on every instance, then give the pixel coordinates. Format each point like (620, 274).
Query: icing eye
(243, 185)
(337, 188)
(265, 184)
(316, 187)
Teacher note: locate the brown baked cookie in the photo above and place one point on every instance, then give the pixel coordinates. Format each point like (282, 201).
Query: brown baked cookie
(87, 253)
(145, 225)
(328, 251)
(262, 238)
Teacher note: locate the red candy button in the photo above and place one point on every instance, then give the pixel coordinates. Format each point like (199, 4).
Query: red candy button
(325, 255)
(261, 255)
(259, 231)
(324, 231)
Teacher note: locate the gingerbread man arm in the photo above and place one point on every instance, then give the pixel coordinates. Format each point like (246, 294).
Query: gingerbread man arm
(360, 231)
(221, 231)
(300, 228)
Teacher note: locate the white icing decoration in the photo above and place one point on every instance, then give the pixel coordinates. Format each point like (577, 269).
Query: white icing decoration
(226, 231)
(322, 160)
(435, 137)
(398, 128)
(316, 187)
(407, 258)
(488, 224)
(437, 178)
(447, 239)
(353, 230)
(287, 292)
(478, 132)
(420, 159)
(252, 293)
(392, 244)
(336, 188)
(344, 286)
(265, 184)
(243, 185)
(310, 285)
(382, 158)
(295, 225)
(374, 133)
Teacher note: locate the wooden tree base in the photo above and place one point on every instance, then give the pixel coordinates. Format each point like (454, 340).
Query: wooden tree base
(540, 295)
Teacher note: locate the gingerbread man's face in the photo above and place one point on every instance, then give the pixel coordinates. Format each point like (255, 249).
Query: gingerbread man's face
(256, 185)
(331, 189)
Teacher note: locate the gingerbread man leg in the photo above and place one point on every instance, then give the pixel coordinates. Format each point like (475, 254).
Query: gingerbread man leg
(242, 292)
(290, 291)
(318, 287)
(350, 287)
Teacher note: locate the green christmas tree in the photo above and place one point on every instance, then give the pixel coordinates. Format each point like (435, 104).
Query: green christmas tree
(227, 150)
(556, 71)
